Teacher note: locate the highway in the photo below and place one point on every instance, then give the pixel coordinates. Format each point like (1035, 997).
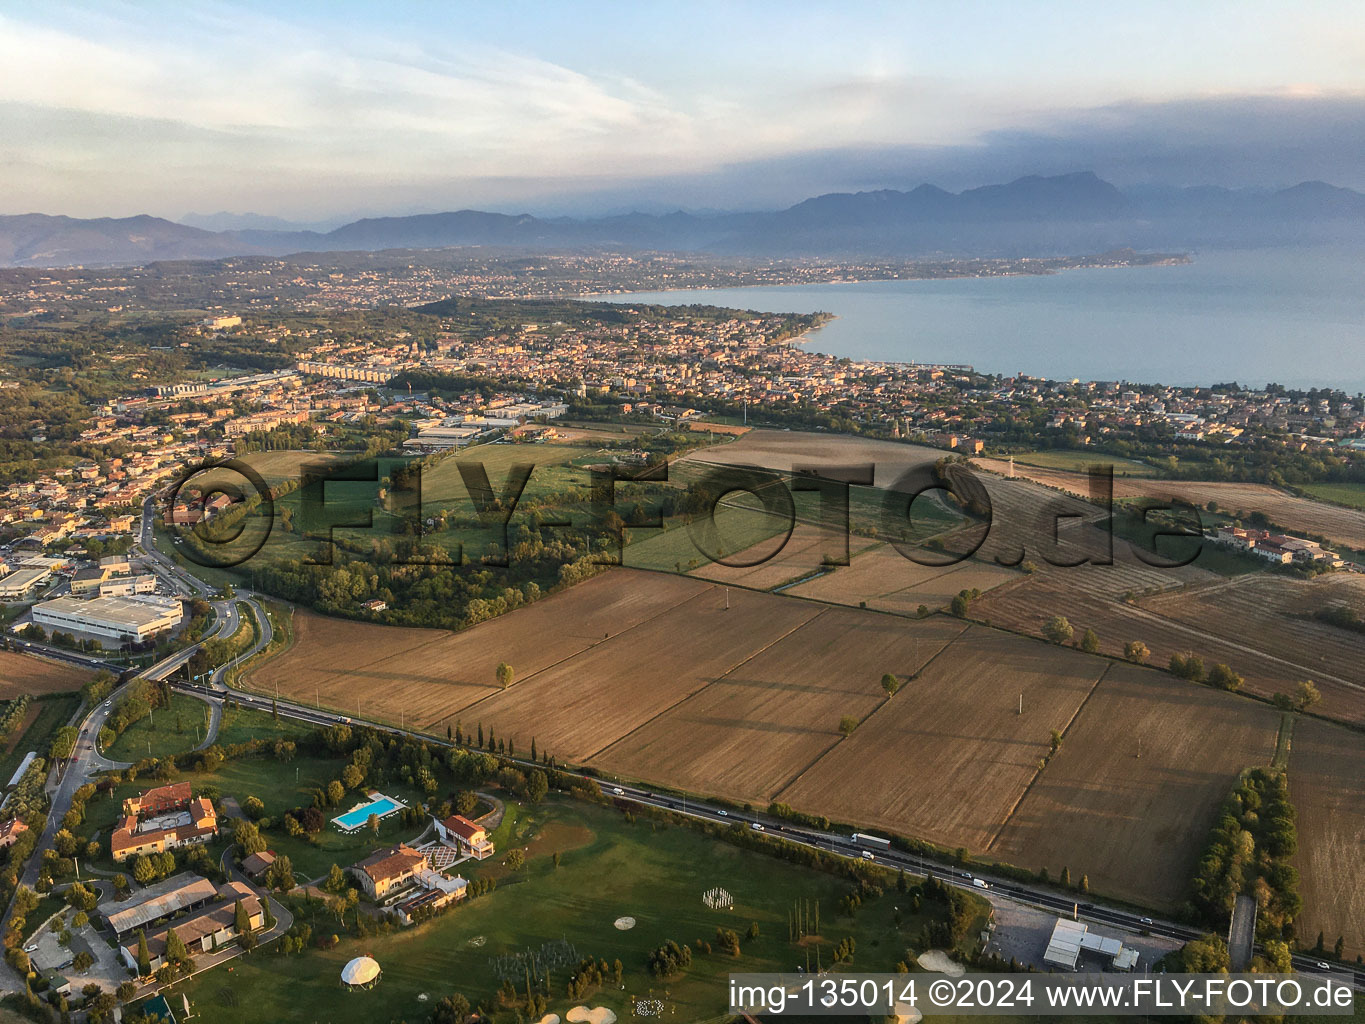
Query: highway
(86, 760)
(833, 842)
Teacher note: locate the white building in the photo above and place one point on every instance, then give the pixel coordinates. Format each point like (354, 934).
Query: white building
(114, 618)
(16, 585)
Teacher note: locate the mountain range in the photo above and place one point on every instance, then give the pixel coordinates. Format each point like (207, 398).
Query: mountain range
(1066, 214)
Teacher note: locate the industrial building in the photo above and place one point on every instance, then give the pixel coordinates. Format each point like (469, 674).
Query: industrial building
(1072, 938)
(16, 585)
(125, 619)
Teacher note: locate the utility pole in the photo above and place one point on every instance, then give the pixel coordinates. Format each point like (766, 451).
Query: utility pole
(1021, 703)
(727, 599)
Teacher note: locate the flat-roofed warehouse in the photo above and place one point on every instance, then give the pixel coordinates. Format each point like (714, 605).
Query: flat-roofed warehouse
(116, 618)
(17, 584)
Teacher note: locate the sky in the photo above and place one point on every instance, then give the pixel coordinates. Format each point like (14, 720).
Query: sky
(320, 112)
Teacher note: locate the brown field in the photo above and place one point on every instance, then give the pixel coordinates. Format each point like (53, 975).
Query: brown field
(783, 450)
(950, 755)
(1137, 824)
(23, 673)
(1229, 629)
(749, 733)
(578, 707)
(888, 581)
(802, 554)
(429, 675)
(1342, 525)
(1327, 781)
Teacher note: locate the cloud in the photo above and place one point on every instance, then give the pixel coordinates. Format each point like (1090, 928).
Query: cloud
(125, 110)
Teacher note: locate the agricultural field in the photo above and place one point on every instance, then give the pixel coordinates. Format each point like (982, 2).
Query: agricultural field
(951, 754)
(24, 673)
(580, 706)
(1228, 621)
(753, 730)
(1078, 461)
(1351, 495)
(886, 580)
(1130, 797)
(1273, 616)
(1338, 524)
(804, 553)
(1327, 784)
(425, 677)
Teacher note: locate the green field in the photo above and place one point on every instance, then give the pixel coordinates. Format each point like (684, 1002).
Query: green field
(610, 868)
(1350, 495)
(53, 713)
(163, 733)
(1077, 461)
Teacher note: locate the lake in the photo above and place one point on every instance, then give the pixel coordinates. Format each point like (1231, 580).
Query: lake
(1292, 316)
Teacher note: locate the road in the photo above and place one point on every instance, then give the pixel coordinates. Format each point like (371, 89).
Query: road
(87, 759)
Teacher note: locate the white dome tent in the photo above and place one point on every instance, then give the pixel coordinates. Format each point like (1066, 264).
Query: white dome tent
(362, 972)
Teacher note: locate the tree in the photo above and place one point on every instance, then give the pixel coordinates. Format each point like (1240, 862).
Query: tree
(82, 961)
(126, 990)
(890, 684)
(176, 952)
(248, 837)
(1225, 678)
(465, 802)
(1058, 630)
(352, 776)
(254, 807)
(453, 1009)
(504, 674)
(847, 724)
(336, 792)
(1306, 694)
(373, 822)
(516, 860)
(240, 920)
(537, 786)
(336, 880)
(144, 958)
(959, 606)
(280, 875)
(1090, 642)
(1136, 652)
(143, 869)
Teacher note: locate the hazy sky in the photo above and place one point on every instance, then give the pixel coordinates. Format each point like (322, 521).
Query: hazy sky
(313, 111)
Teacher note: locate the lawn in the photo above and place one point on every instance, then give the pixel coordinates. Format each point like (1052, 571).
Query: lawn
(239, 725)
(610, 868)
(281, 787)
(163, 733)
(1350, 495)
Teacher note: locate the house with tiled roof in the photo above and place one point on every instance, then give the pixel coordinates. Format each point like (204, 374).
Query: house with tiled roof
(389, 870)
(161, 819)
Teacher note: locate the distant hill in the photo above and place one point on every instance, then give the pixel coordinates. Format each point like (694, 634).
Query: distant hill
(1042, 216)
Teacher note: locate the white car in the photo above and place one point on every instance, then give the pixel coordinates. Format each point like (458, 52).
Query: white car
(1146, 920)
(867, 855)
(724, 814)
(1324, 966)
(619, 791)
(756, 827)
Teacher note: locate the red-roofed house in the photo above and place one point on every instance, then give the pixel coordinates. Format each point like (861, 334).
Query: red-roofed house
(464, 835)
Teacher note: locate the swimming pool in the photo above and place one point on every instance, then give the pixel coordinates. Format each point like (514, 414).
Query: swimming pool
(379, 806)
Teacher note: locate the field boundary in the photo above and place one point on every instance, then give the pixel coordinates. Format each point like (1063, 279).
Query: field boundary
(591, 646)
(777, 794)
(1014, 808)
(701, 689)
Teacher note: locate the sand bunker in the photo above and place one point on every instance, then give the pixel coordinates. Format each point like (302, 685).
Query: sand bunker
(597, 1015)
(625, 924)
(907, 1014)
(937, 960)
(549, 1018)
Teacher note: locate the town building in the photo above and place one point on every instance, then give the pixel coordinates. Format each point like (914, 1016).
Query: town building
(178, 894)
(204, 930)
(123, 619)
(461, 834)
(164, 818)
(10, 832)
(389, 870)
(16, 585)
